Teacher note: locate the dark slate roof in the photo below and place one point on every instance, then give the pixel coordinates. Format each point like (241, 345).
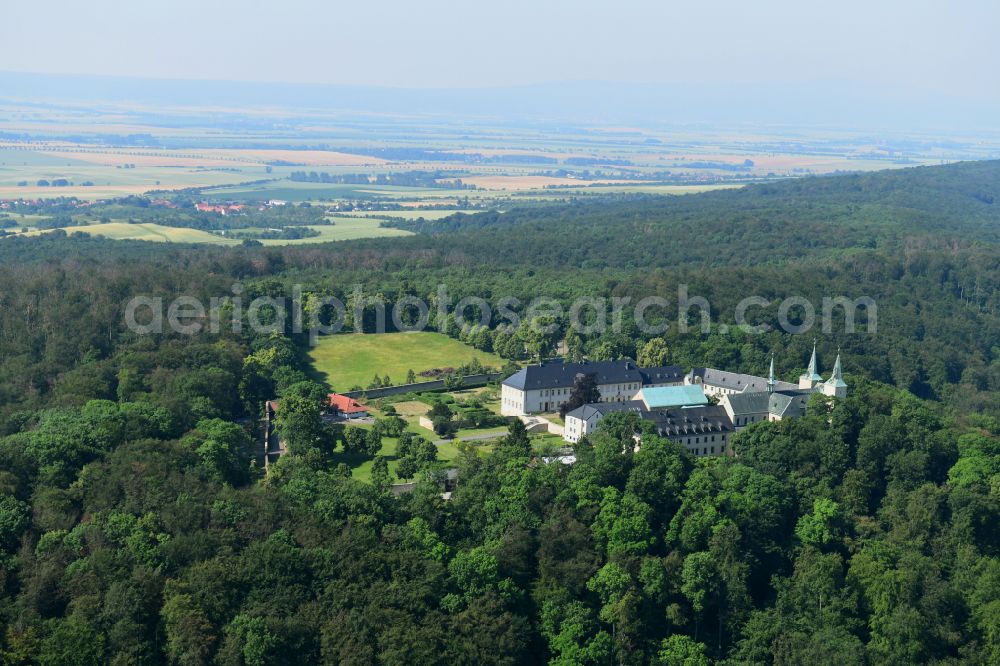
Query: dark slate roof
(662, 375)
(749, 403)
(683, 421)
(605, 408)
(789, 403)
(556, 374)
(735, 380)
(674, 422)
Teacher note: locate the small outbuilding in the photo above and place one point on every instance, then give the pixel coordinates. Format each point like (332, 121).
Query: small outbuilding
(346, 407)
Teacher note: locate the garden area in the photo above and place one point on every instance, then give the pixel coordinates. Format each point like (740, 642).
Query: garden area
(460, 421)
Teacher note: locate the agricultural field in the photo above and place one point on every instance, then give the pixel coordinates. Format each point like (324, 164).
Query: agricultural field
(110, 174)
(407, 214)
(534, 182)
(667, 190)
(288, 190)
(145, 232)
(344, 228)
(349, 360)
(504, 162)
(320, 193)
(501, 190)
(24, 220)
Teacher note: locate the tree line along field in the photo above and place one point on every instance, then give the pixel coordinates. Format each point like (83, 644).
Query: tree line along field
(142, 231)
(343, 228)
(349, 360)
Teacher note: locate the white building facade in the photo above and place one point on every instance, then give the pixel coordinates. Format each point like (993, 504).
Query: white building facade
(704, 430)
(547, 386)
(707, 429)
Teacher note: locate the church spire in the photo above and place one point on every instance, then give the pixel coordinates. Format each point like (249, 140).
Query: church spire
(835, 386)
(837, 377)
(813, 370)
(770, 377)
(811, 378)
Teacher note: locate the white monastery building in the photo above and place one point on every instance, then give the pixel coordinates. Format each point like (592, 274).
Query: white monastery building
(677, 404)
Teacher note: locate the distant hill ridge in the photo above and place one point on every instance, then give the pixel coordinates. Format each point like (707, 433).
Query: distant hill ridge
(759, 223)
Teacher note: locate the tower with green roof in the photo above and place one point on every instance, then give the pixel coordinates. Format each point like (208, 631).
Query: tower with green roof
(811, 379)
(835, 386)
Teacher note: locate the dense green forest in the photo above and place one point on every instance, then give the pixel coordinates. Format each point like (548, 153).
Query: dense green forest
(136, 528)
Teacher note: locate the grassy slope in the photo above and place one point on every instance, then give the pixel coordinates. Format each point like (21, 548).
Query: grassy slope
(349, 360)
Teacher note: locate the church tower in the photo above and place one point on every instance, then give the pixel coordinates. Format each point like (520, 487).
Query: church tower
(770, 377)
(811, 378)
(835, 386)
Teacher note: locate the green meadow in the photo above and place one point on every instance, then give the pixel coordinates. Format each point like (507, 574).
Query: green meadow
(352, 360)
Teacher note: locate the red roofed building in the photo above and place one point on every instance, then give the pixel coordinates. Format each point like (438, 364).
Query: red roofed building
(221, 210)
(346, 406)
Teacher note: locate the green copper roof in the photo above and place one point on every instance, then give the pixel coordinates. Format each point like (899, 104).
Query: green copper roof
(672, 396)
(813, 370)
(837, 378)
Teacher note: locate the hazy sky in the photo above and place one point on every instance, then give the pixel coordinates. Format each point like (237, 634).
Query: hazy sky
(913, 45)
